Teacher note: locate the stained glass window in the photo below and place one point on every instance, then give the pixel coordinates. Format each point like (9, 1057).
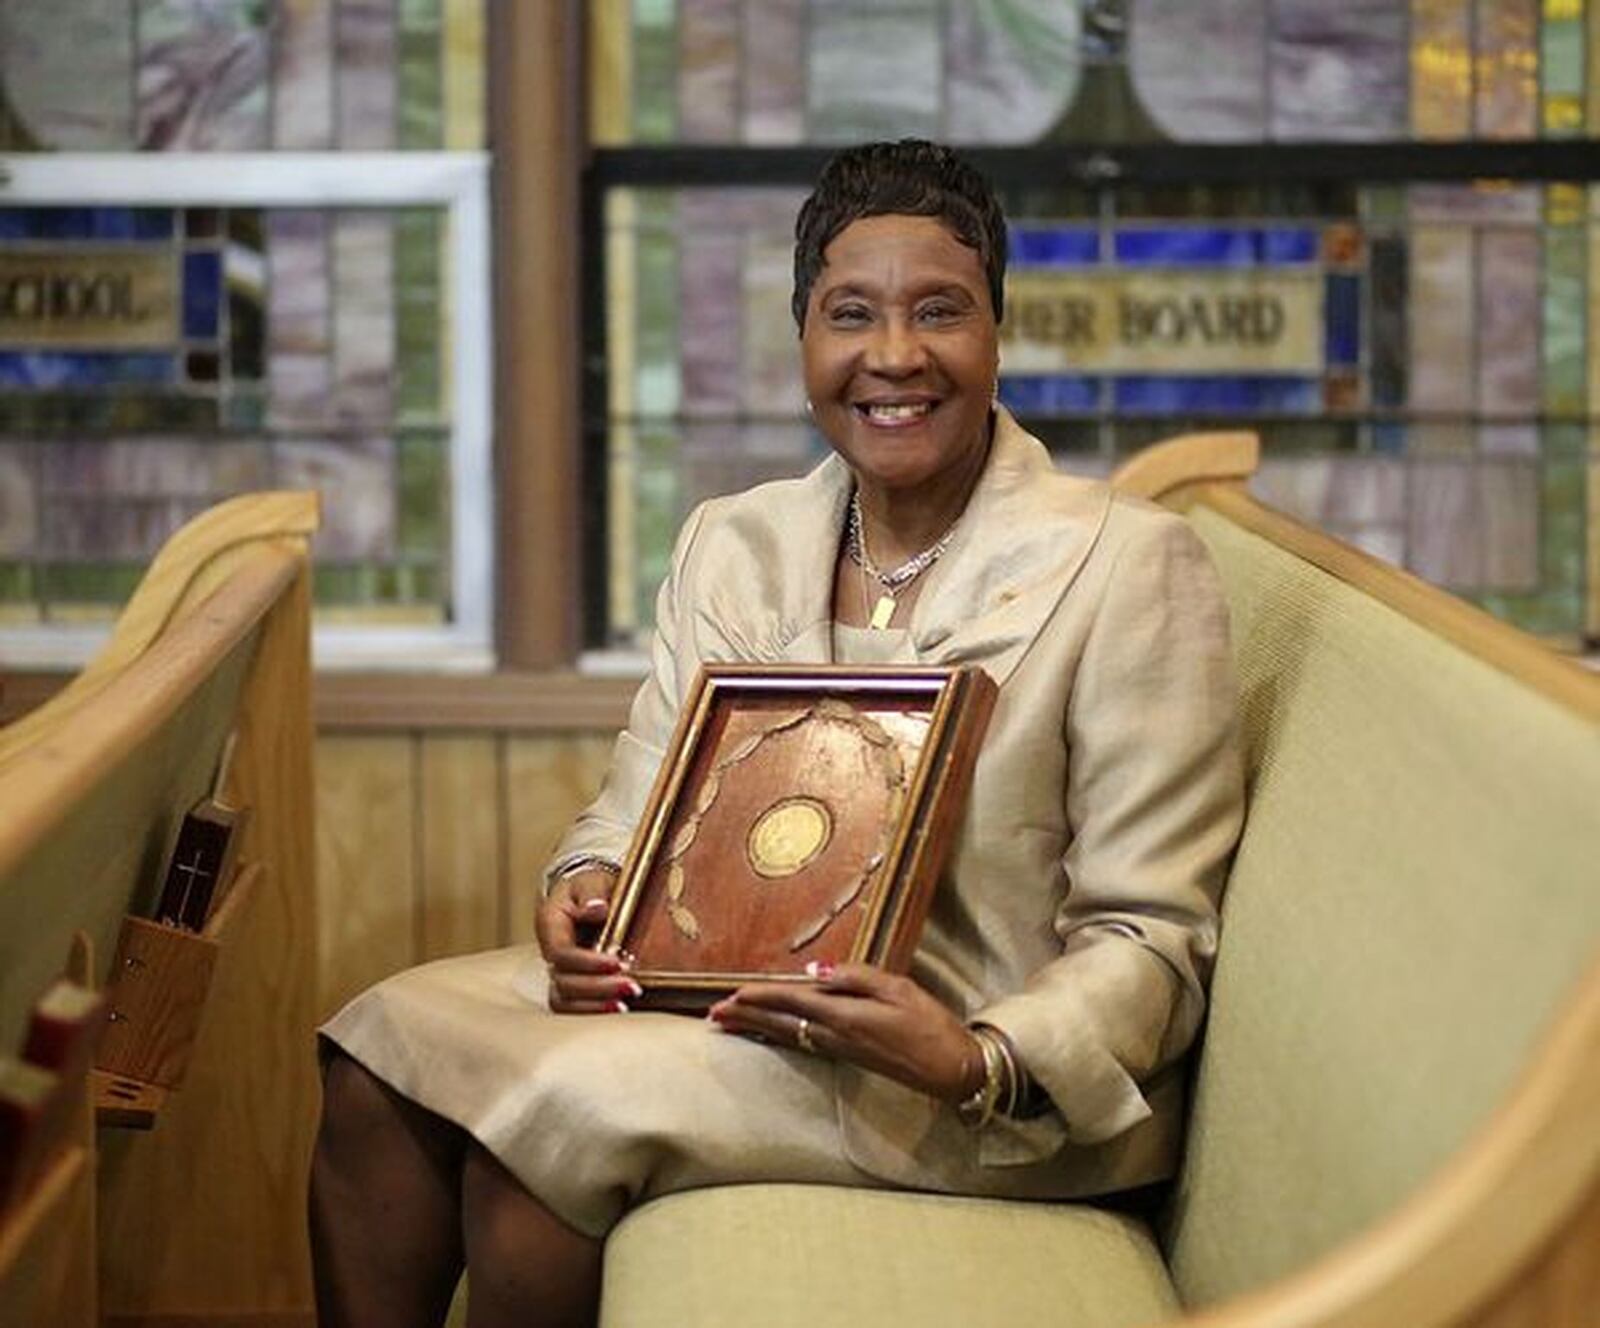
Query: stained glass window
(162, 349)
(1421, 359)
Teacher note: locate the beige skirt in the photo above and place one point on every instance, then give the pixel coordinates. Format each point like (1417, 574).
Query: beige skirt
(595, 1113)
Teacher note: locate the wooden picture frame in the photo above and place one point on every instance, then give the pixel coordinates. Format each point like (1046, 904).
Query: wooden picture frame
(802, 813)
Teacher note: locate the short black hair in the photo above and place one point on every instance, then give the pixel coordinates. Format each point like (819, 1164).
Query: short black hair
(912, 178)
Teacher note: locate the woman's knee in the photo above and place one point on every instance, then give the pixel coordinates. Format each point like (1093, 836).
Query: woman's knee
(361, 1112)
(505, 1220)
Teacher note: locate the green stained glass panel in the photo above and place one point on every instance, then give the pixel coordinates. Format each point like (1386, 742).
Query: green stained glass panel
(657, 368)
(421, 75)
(424, 496)
(658, 508)
(87, 583)
(341, 584)
(1564, 319)
(1561, 57)
(16, 583)
(418, 290)
(655, 71)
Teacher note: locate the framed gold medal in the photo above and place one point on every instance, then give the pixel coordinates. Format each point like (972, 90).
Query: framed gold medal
(801, 814)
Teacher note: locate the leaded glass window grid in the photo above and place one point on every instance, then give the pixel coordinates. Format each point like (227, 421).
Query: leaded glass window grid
(1095, 169)
(456, 182)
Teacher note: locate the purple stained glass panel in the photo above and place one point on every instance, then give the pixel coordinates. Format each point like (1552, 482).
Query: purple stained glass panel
(1510, 501)
(708, 71)
(709, 327)
(1338, 71)
(19, 500)
(1199, 67)
(299, 317)
(363, 318)
(1509, 309)
(303, 75)
(202, 76)
(1444, 525)
(366, 49)
(357, 481)
(774, 83)
(1010, 71)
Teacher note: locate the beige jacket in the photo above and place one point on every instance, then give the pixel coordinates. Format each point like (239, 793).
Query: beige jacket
(1079, 912)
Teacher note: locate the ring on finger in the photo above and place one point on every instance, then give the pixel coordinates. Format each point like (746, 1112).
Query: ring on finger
(802, 1035)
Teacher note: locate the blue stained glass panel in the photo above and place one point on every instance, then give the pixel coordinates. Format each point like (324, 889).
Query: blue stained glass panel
(1050, 394)
(47, 369)
(1289, 245)
(85, 223)
(1169, 394)
(1223, 246)
(1063, 246)
(1342, 319)
(202, 294)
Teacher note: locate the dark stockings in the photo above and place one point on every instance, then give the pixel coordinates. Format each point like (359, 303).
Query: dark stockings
(400, 1198)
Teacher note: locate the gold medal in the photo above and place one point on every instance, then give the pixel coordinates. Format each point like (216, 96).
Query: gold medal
(787, 836)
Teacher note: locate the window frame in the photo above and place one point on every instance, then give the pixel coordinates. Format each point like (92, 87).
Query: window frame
(456, 181)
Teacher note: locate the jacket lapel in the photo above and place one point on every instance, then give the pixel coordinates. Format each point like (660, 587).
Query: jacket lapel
(1034, 527)
(766, 564)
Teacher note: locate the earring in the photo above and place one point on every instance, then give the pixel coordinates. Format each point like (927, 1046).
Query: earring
(810, 409)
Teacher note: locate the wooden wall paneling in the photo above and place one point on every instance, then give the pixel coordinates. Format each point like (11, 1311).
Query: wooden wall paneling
(367, 837)
(548, 780)
(462, 855)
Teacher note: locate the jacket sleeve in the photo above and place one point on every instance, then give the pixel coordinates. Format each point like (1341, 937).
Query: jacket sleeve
(1154, 801)
(605, 827)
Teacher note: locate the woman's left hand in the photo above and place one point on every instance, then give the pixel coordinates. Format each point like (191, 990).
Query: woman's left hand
(859, 1013)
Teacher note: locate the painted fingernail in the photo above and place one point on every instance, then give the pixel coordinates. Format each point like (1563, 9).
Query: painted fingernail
(820, 969)
(591, 904)
(616, 1007)
(632, 988)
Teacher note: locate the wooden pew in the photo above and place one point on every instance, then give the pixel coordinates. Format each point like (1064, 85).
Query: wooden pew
(198, 1219)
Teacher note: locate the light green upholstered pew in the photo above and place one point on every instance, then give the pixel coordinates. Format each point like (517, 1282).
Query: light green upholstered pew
(1396, 1116)
(200, 1219)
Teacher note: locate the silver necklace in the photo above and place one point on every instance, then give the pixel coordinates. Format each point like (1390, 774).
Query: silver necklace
(896, 579)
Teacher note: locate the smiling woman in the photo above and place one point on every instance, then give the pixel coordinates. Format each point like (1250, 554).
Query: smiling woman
(492, 1109)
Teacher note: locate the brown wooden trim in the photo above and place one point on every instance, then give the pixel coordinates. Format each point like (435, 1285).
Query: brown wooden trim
(536, 115)
(306, 1318)
(560, 701)
(1524, 657)
(556, 702)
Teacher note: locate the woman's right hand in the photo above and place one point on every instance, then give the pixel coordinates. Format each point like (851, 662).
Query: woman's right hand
(582, 979)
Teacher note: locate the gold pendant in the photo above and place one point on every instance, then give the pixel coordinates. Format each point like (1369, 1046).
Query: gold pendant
(882, 611)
